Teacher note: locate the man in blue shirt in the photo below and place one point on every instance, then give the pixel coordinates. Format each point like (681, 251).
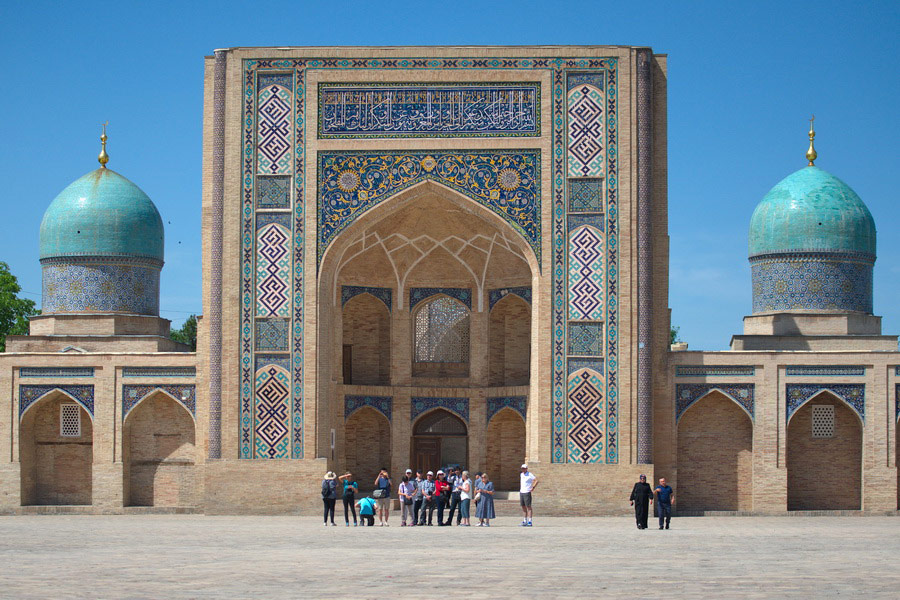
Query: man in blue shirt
(665, 498)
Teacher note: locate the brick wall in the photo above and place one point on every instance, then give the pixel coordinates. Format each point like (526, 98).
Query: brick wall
(715, 456)
(55, 469)
(368, 445)
(824, 474)
(510, 342)
(159, 454)
(367, 328)
(505, 449)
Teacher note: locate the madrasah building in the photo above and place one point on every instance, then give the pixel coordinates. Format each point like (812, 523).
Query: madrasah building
(425, 256)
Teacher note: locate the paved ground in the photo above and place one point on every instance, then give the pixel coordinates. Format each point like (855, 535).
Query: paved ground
(161, 556)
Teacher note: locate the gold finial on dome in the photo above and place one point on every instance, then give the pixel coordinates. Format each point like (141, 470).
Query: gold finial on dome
(103, 158)
(811, 154)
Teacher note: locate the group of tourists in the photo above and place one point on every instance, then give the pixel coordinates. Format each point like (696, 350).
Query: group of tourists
(420, 496)
(642, 496)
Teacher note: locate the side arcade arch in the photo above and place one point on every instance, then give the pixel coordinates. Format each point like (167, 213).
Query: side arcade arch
(367, 445)
(440, 438)
(505, 448)
(56, 451)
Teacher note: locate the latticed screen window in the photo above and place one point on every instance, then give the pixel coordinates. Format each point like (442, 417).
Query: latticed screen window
(822, 421)
(442, 332)
(69, 420)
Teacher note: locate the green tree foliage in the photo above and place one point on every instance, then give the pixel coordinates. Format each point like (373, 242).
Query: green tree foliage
(14, 311)
(188, 332)
(673, 334)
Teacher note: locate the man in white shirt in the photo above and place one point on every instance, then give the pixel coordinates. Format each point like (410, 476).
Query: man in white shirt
(527, 483)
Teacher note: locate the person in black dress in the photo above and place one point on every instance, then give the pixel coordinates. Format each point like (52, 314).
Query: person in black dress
(641, 498)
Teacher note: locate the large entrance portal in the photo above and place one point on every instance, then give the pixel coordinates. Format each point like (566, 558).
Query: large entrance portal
(440, 439)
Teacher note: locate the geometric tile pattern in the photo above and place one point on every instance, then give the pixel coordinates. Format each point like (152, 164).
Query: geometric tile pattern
(185, 395)
(458, 406)
(688, 393)
(559, 70)
(585, 417)
(273, 146)
(813, 282)
(714, 371)
(576, 364)
(416, 295)
(897, 400)
(56, 372)
(99, 287)
(159, 372)
(438, 110)
(585, 339)
(279, 360)
(506, 182)
(271, 414)
(83, 394)
(586, 274)
(272, 335)
(351, 291)
(380, 403)
(273, 192)
(273, 271)
(495, 296)
(585, 195)
(585, 111)
(854, 394)
(826, 370)
(517, 403)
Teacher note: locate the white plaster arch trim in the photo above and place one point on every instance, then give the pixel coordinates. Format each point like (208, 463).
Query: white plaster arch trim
(152, 393)
(832, 394)
(509, 409)
(357, 233)
(375, 409)
(724, 393)
(50, 393)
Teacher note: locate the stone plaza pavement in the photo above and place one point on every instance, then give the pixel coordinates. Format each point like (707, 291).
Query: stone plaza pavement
(191, 556)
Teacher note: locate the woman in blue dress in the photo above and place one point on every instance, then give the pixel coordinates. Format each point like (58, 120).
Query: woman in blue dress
(484, 489)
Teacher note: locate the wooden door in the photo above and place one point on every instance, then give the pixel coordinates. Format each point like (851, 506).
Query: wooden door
(427, 454)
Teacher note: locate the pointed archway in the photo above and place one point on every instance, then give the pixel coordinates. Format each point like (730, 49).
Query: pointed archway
(440, 439)
(505, 448)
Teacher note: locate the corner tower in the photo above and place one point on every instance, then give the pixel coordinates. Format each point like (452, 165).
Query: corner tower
(812, 250)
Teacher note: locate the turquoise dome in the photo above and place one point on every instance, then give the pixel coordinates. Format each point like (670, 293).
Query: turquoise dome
(102, 214)
(811, 210)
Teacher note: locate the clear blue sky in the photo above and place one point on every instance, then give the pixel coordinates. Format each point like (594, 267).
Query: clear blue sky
(743, 79)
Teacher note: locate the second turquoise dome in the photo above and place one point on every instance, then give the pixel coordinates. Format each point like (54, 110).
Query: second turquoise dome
(811, 210)
(102, 214)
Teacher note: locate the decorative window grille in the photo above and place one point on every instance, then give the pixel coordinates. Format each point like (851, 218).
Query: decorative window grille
(442, 332)
(70, 420)
(823, 421)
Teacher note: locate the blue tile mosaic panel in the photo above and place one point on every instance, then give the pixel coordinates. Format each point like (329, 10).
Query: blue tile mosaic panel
(279, 360)
(714, 371)
(82, 394)
(812, 282)
(586, 114)
(273, 192)
(826, 370)
(429, 110)
(273, 271)
(586, 274)
(184, 394)
(586, 339)
(275, 133)
(506, 182)
(380, 403)
(416, 295)
(585, 195)
(897, 401)
(420, 405)
(271, 413)
(56, 372)
(854, 394)
(517, 403)
(159, 372)
(688, 393)
(99, 287)
(495, 296)
(384, 294)
(575, 364)
(585, 417)
(272, 335)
